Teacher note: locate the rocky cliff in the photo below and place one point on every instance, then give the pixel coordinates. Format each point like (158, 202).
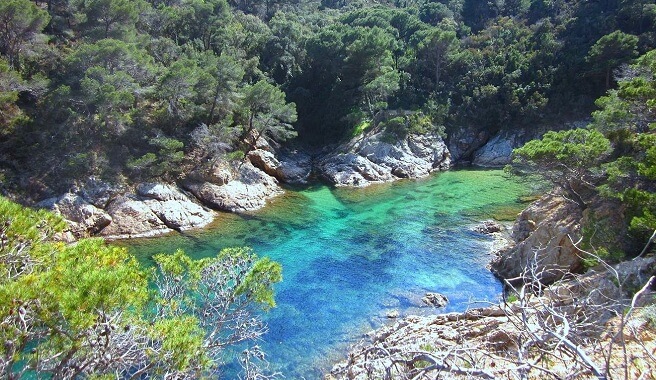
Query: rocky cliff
(372, 158)
(152, 209)
(542, 242)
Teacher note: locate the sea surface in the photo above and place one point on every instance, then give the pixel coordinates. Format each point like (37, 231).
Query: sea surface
(350, 256)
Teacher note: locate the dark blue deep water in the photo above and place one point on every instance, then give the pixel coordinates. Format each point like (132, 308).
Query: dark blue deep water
(349, 256)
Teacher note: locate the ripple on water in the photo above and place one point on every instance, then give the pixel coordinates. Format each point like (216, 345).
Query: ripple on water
(351, 255)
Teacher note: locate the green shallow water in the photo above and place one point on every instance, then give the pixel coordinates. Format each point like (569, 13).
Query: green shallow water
(351, 255)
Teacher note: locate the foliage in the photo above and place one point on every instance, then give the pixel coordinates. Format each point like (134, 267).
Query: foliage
(22, 22)
(615, 158)
(85, 309)
(266, 113)
(567, 158)
(115, 74)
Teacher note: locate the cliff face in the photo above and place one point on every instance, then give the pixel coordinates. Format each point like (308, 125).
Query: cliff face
(542, 242)
(372, 159)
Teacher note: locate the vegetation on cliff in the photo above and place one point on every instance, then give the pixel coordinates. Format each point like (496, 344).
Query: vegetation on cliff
(615, 158)
(128, 90)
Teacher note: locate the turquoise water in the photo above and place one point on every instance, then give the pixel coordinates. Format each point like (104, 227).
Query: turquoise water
(349, 256)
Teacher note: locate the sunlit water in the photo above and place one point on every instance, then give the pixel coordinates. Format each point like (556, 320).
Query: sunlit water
(349, 256)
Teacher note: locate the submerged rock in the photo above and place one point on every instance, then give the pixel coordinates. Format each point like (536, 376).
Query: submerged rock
(488, 227)
(435, 299)
(372, 159)
(484, 342)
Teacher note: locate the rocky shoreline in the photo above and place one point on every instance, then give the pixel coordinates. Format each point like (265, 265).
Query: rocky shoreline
(499, 341)
(97, 208)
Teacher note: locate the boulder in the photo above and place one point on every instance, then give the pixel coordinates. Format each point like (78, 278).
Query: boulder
(156, 208)
(132, 217)
(463, 142)
(497, 151)
(291, 167)
(373, 159)
(98, 192)
(83, 217)
(180, 215)
(295, 167)
(435, 299)
(542, 245)
(488, 227)
(249, 189)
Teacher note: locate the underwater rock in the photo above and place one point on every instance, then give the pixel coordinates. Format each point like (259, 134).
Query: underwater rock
(435, 299)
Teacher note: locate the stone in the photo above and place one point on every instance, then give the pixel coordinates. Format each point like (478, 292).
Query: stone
(488, 227)
(435, 299)
(497, 151)
(392, 314)
(180, 215)
(372, 159)
(248, 190)
(161, 192)
(295, 167)
(83, 217)
(463, 142)
(98, 192)
(131, 217)
(543, 235)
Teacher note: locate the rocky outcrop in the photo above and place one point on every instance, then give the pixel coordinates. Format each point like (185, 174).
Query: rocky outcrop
(482, 148)
(99, 209)
(83, 217)
(372, 159)
(156, 208)
(435, 299)
(542, 245)
(488, 227)
(463, 142)
(292, 167)
(500, 341)
(248, 188)
(498, 150)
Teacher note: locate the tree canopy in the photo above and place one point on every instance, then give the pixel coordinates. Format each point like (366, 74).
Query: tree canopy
(85, 309)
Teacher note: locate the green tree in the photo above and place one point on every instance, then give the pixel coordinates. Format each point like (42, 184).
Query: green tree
(10, 113)
(435, 49)
(612, 50)
(85, 310)
(569, 159)
(112, 18)
(21, 23)
(265, 112)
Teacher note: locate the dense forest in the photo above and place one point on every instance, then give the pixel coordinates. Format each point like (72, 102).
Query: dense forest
(135, 90)
(131, 90)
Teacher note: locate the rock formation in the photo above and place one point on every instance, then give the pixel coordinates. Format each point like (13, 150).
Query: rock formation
(98, 209)
(501, 341)
(155, 208)
(247, 188)
(542, 245)
(435, 299)
(371, 159)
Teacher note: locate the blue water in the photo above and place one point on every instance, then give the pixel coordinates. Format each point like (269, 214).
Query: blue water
(349, 256)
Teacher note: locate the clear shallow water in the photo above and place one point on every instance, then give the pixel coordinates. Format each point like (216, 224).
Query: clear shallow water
(351, 255)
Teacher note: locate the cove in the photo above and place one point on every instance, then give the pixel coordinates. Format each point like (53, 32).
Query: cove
(350, 256)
